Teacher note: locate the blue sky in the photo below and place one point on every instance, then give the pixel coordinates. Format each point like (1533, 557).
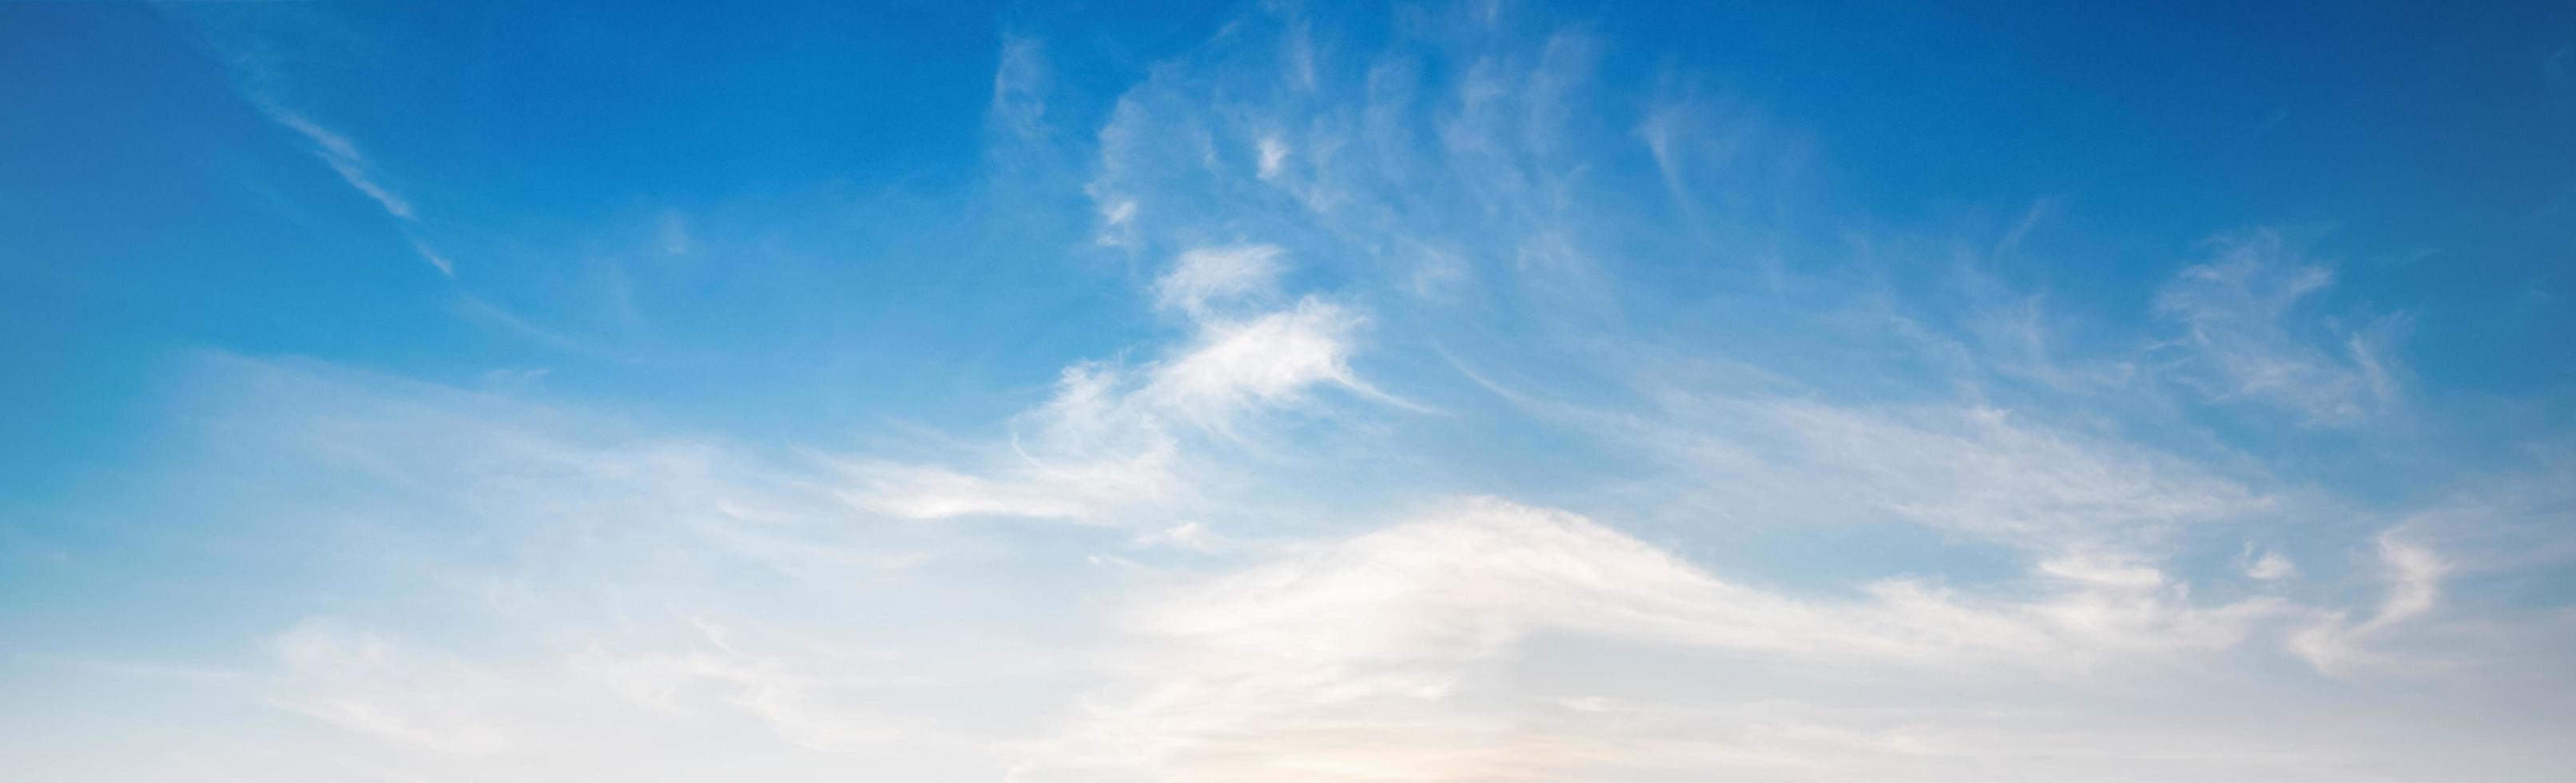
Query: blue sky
(1119, 392)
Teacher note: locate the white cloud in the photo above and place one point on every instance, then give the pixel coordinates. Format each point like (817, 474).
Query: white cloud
(1187, 535)
(1265, 361)
(1389, 655)
(635, 595)
(498, 571)
(2506, 522)
(1214, 275)
(678, 607)
(2339, 646)
(916, 492)
(1419, 150)
(1272, 152)
(671, 231)
(1112, 438)
(814, 695)
(343, 157)
(2272, 566)
(1980, 471)
(2104, 572)
(2244, 338)
(1021, 81)
(445, 267)
(1089, 450)
(369, 685)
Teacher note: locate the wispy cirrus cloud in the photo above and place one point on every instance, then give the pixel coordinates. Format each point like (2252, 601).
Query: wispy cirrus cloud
(367, 684)
(260, 74)
(580, 570)
(1114, 436)
(2245, 338)
(2414, 576)
(1416, 652)
(1208, 276)
(342, 155)
(1486, 417)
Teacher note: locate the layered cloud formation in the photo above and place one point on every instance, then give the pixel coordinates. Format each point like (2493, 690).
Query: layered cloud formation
(1481, 421)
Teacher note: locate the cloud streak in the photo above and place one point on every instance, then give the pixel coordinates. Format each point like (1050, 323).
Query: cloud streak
(342, 155)
(2239, 313)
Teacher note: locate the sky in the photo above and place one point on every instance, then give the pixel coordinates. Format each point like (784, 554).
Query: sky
(1126, 391)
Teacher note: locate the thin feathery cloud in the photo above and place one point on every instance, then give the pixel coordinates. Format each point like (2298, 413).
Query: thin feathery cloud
(604, 573)
(1767, 489)
(2339, 645)
(1214, 275)
(1021, 82)
(367, 684)
(343, 157)
(1113, 437)
(1410, 631)
(2244, 339)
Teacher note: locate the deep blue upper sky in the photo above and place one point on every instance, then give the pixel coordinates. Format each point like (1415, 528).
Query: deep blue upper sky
(151, 208)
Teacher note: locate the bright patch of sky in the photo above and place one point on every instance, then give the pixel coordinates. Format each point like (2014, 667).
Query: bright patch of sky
(1439, 392)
